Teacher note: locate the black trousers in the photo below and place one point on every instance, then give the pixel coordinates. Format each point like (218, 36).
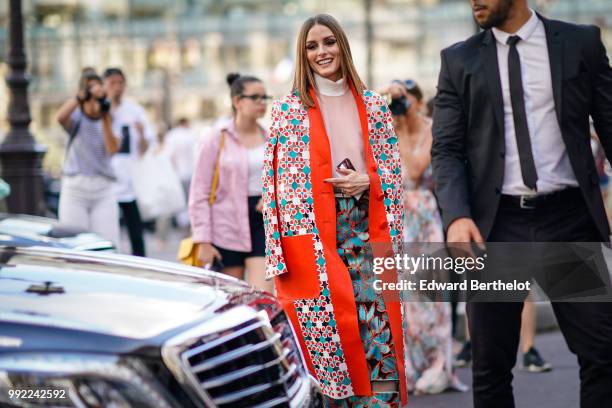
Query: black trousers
(586, 327)
(133, 222)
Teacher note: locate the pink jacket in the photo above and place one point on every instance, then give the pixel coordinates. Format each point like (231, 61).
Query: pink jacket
(226, 223)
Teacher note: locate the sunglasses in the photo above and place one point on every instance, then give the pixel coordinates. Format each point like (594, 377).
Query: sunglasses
(257, 98)
(409, 84)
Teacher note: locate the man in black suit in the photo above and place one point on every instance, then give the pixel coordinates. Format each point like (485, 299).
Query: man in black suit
(512, 162)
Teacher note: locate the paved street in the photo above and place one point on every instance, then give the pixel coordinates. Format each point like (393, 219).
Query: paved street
(154, 248)
(557, 389)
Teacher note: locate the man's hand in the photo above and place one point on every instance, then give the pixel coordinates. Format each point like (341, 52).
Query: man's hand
(460, 234)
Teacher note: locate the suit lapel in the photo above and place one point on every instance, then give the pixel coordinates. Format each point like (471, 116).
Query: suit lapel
(488, 56)
(555, 55)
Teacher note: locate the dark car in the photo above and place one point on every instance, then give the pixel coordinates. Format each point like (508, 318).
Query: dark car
(29, 230)
(105, 330)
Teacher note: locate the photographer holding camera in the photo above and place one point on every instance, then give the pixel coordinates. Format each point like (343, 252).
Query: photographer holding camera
(87, 198)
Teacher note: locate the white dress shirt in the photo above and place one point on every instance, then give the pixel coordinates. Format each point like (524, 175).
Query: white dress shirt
(549, 152)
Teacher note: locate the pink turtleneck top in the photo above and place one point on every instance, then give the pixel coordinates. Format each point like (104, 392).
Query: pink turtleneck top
(342, 123)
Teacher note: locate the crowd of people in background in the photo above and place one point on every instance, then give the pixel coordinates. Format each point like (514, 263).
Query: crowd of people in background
(221, 180)
(108, 134)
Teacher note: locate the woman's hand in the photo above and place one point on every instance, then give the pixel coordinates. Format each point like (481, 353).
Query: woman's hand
(394, 90)
(81, 95)
(208, 254)
(64, 112)
(397, 90)
(351, 183)
(259, 206)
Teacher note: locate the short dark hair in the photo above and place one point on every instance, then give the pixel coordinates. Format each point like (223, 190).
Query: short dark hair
(113, 71)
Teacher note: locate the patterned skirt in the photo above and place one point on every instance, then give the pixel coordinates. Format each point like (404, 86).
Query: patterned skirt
(374, 328)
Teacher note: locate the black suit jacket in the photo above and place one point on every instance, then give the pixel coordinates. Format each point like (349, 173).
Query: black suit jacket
(468, 126)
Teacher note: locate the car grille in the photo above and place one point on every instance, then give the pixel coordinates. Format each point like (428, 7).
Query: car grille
(249, 361)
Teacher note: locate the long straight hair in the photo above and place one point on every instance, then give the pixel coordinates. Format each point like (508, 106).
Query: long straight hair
(304, 79)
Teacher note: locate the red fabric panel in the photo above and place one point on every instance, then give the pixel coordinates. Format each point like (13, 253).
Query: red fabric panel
(302, 280)
(340, 285)
(380, 235)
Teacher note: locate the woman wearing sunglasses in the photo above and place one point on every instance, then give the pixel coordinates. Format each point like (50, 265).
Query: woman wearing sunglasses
(230, 226)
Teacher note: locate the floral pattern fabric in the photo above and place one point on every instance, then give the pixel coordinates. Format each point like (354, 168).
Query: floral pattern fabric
(374, 329)
(427, 325)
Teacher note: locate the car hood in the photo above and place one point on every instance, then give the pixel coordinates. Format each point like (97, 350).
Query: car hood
(29, 230)
(108, 294)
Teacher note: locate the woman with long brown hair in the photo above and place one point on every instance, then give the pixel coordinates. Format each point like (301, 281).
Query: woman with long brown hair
(332, 200)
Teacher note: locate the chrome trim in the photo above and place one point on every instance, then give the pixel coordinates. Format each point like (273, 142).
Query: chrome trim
(227, 378)
(306, 390)
(217, 342)
(234, 354)
(125, 261)
(256, 388)
(172, 349)
(176, 352)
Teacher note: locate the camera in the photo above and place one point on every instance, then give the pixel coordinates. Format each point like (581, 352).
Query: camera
(105, 104)
(399, 106)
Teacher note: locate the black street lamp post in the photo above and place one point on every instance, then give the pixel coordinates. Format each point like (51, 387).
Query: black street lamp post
(20, 155)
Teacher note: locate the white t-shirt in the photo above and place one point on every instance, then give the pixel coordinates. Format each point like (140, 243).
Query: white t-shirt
(256, 159)
(125, 117)
(180, 144)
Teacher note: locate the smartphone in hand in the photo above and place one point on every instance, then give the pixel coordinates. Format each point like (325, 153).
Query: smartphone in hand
(217, 266)
(346, 164)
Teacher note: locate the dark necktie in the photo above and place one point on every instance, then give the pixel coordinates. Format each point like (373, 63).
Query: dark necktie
(521, 130)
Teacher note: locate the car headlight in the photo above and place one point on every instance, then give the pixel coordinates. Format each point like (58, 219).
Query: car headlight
(78, 380)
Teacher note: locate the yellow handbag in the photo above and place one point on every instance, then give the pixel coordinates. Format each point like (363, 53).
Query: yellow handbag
(188, 250)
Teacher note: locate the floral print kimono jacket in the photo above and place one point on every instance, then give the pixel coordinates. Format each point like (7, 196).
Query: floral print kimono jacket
(312, 282)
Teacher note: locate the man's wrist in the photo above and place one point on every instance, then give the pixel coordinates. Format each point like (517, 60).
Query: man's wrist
(458, 219)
